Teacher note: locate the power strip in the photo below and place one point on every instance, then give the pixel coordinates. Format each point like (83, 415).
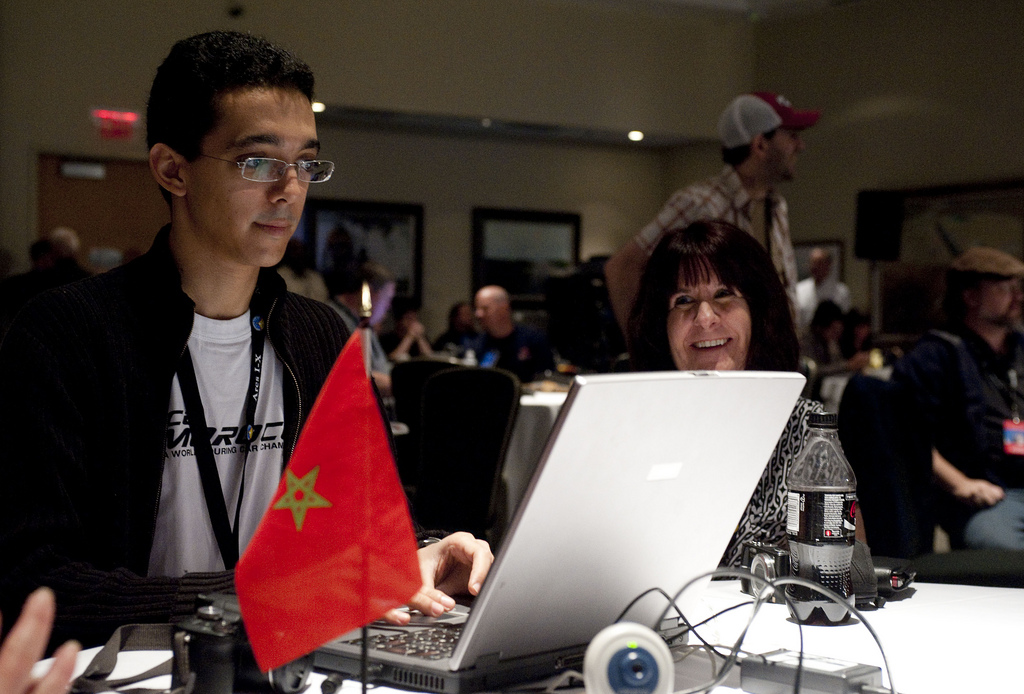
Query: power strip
(775, 673)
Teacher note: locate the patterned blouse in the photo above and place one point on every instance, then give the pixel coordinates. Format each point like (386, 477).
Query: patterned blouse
(765, 516)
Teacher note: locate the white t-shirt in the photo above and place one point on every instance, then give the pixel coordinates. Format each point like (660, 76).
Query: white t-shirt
(221, 354)
(809, 295)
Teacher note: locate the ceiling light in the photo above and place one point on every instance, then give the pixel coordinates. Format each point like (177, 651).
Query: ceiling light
(319, 107)
(635, 135)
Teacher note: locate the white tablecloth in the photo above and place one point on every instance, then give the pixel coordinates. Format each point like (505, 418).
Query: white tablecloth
(939, 639)
(537, 412)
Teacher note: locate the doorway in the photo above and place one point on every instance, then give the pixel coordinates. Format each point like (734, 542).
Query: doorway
(114, 205)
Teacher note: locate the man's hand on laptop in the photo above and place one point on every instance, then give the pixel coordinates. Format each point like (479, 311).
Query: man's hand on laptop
(457, 565)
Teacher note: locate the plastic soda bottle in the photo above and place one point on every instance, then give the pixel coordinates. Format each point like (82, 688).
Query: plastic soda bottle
(821, 523)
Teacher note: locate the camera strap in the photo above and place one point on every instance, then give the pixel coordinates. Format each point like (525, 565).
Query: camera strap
(134, 637)
(223, 530)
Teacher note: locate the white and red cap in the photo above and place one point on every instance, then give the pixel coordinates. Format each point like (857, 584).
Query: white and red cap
(754, 114)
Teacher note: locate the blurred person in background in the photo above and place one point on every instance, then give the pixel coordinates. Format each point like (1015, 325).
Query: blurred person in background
(761, 142)
(346, 289)
(821, 286)
(299, 274)
(461, 330)
(966, 380)
(409, 337)
(508, 345)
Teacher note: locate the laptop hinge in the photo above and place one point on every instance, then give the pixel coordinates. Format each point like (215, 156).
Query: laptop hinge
(487, 660)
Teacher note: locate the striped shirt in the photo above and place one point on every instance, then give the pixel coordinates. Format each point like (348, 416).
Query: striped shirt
(723, 197)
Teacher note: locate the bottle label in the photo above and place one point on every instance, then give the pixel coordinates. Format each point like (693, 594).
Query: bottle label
(821, 516)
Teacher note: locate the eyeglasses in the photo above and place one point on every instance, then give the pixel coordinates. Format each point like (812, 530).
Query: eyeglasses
(266, 170)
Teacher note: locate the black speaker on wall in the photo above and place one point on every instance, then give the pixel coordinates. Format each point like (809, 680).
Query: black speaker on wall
(879, 224)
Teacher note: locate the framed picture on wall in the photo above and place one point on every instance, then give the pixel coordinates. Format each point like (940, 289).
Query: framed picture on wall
(387, 233)
(913, 235)
(520, 249)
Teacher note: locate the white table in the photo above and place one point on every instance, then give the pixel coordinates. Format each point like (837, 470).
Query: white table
(537, 413)
(135, 662)
(939, 639)
(942, 638)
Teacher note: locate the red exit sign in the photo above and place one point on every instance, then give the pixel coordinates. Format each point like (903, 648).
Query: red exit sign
(115, 125)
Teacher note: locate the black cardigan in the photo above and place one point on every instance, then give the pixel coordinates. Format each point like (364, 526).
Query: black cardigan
(85, 379)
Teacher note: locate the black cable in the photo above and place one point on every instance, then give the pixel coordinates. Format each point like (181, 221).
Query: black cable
(693, 628)
(671, 603)
(759, 600)
(770, 587)
(688, 627)
(774, 586)
(838, 599)
(644, 594)
(730, 661)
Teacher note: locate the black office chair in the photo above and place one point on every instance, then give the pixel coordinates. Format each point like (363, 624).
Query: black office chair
(890, 452)
(892, 457)
(407, 379)
(809, 368)
(466, 422)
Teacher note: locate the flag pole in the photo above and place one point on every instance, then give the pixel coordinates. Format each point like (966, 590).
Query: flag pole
(365, 312)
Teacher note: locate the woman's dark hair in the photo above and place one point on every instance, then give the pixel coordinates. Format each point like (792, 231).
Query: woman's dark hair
(827, 313)
(693, 255)
(847, 343)
(453, 313)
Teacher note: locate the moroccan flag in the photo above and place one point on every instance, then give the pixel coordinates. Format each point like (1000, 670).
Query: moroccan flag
(336, 548)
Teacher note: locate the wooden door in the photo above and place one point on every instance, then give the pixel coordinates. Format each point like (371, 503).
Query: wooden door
(123, 210)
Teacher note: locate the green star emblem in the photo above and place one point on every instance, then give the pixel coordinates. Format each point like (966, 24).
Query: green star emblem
(301, 496)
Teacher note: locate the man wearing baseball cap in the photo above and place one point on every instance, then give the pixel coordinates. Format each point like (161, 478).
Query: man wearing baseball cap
(760, 135)
(968, 381)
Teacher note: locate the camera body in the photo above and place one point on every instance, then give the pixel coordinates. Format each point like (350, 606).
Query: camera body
(766, 561)
(212, 646)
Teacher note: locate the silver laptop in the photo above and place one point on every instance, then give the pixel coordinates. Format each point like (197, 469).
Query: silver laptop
(641, 485)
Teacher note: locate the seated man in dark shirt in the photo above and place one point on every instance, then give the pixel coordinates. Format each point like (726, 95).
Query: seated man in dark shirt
(966, 380)
(506, 344)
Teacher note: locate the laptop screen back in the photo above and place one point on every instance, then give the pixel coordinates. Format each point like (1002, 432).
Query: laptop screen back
(641, 485)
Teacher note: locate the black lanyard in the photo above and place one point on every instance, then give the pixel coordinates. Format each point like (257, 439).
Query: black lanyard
(1008, 390)
(227, 539)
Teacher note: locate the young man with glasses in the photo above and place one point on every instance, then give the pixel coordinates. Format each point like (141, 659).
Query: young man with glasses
(105, 498)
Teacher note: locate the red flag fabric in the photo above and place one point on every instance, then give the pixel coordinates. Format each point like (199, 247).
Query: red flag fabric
(336, 548)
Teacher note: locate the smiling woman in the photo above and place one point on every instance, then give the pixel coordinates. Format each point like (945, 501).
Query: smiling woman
(710, 299)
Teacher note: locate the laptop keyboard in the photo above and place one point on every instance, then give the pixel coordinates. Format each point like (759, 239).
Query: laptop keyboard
(429, 643)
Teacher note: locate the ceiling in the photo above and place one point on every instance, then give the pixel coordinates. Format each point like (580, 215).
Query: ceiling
(755, 9)
(488, 128)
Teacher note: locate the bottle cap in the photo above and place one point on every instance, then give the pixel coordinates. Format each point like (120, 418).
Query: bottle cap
(823, 420)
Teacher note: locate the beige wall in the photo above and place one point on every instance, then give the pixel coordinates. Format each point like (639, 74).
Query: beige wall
(915, 93)
(540, 61)
(612, 188)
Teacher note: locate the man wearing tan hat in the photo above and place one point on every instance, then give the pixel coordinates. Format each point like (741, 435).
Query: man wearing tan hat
(760, 136)
(967, 381)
